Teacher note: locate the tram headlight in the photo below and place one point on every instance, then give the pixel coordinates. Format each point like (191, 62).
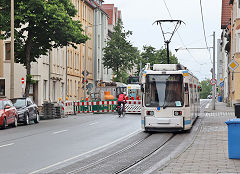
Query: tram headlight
(177, 113)
(150, 113)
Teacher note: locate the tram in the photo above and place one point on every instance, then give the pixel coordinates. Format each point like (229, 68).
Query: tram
(170, 98)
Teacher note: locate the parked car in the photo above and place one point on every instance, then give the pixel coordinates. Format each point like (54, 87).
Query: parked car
(27, 110)
(209, 96)
(8, 113)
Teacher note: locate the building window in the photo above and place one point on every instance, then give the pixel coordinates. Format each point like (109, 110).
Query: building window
(62, 91)
(54, 90)
(45, 89)
(70, 90)
(2, 87)
(8, 51)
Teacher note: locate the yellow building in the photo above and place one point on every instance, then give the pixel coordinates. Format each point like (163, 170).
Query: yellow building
(235, 53)
(2, 80)
(76, 57)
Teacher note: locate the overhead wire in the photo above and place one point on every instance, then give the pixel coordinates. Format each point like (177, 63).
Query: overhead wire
(181, 37)
(179, 34)
(204, 31)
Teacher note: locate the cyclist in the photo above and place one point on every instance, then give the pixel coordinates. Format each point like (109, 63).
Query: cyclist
(122, 100)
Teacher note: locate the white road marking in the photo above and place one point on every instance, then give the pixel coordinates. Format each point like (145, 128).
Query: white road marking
(58, 132)
(93, 123)
(6, 145)
(77, 156)
(207, 105)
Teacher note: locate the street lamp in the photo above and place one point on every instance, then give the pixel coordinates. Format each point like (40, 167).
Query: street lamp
(213, 72)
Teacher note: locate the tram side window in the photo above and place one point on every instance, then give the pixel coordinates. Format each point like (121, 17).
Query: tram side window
(191, 95)
(186, 94)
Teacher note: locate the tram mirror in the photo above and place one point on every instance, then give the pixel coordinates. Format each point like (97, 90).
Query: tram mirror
(142, 88)
(186, 87)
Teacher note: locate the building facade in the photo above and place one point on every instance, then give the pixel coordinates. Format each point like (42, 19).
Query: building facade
(226, 48)
(101, 32)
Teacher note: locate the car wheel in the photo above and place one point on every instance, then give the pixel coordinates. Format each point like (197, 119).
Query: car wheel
(26, 119)
(4, 126)
(15, 122)
(36, 120)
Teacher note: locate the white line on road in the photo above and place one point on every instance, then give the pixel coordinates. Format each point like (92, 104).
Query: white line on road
(96, 149)
(60, 131)
(6, 145)
(93, 123)
(207, 105)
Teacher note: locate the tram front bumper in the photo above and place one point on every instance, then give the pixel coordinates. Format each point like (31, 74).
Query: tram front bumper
(164, 123)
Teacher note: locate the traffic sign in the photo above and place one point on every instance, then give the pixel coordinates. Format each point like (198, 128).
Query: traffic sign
(221, 79)
(233, 65)
(22, 79)
(213, 81)
(221, 84)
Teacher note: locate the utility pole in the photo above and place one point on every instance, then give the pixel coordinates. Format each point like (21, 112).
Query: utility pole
(213, 74)
(12, 51)
(85, 66)
(66, 91)
(49, 76)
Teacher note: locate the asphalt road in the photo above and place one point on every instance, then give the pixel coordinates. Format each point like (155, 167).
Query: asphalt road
(52, 144)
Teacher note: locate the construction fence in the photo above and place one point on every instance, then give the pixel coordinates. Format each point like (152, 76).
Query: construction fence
(76, 107)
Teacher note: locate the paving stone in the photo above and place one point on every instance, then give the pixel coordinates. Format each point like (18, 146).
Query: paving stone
(209, 152)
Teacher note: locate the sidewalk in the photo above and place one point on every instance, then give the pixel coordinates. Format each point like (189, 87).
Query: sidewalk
(209, 151)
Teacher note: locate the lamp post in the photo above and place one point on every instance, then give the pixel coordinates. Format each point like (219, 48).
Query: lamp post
(12, 51)
(213, 72)
(85, 66)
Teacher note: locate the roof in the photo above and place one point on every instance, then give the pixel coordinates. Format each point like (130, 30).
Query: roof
(226, 13)
(109, 9)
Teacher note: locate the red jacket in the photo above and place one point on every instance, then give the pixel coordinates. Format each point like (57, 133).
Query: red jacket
(121, 97)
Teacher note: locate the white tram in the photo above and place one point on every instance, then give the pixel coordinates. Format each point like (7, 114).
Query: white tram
(170, 98)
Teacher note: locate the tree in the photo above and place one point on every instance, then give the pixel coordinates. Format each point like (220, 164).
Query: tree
(40, 25)
(206, 88)
(153, 56)
(119, 54)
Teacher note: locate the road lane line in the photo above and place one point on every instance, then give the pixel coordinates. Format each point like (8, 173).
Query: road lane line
(6, 145)
(207, 105)
(85, 153)
(93, 123)
(58, 132)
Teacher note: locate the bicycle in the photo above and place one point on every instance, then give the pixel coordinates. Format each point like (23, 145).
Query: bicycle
(120, 110)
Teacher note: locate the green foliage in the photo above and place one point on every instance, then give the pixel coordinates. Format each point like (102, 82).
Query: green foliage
(153, 56)
(206, 88)
(119, 54)
(40, 25)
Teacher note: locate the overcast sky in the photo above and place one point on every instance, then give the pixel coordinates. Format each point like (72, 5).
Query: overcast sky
(139, 15)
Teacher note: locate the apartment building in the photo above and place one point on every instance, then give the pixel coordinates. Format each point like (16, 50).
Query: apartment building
(225, 46)
(235, 51)
(2, 79)
(101, 74)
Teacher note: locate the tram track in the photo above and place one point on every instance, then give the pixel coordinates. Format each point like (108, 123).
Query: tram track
(128, 156)
(122, 159)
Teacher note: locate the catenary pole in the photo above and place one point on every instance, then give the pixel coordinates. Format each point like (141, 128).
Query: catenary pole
(12, 51)
(85, 66)
(213, 74)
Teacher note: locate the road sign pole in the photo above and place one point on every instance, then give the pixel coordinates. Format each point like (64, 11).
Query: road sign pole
(213, 74)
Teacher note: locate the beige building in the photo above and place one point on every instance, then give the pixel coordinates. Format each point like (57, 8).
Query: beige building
(51, 86)
(235, 52)
(2, 80)
(76, 57)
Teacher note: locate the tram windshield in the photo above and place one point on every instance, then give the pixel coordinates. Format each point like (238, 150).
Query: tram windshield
(164, 90)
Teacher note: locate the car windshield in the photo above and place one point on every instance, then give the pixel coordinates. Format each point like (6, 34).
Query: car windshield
(164, 90)
(18, 103)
